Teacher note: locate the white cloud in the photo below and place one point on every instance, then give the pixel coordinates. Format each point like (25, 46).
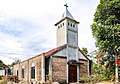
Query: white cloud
(27, 26)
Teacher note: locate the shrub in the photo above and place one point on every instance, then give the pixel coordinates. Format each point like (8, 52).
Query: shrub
(3, 80)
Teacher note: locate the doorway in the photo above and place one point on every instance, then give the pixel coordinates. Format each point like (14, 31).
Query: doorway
(72, 73)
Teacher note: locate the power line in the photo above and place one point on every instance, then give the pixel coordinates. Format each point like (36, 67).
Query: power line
(3, 53)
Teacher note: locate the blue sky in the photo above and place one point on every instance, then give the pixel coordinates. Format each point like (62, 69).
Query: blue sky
(27, 26)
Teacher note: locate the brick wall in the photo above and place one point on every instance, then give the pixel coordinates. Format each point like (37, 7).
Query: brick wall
(83, 68)
(27, 69)
(23, 65)
(15, 68)
(37, 62)
(59, 68)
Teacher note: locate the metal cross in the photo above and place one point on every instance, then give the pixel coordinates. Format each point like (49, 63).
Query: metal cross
(66, 5)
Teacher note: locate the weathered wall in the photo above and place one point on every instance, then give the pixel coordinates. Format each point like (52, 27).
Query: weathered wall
(2, 72)
(23, 65)
(83, 68)
(15, 68)
(37, 62)
(59, 68)
(72, 53)
(27, 69)
(81, 56)
(61, 34)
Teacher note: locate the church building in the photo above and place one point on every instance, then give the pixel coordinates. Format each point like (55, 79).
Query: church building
(66, 62)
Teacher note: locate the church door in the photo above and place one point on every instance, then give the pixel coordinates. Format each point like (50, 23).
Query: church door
(72, 73)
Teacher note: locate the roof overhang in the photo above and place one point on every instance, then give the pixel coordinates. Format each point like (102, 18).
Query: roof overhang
(73, 62)
(68, 19)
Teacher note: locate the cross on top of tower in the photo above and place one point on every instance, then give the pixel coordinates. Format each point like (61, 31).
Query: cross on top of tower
(66, 5)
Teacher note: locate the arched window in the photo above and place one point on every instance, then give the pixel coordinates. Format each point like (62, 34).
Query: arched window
(23, 71)
(33, 71)
(71, 24)
(68, 23)
(17, 73)
(58, 27)
(63, 24)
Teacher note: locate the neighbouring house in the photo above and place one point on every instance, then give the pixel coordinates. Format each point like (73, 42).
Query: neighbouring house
(3, 69)
(66, 62)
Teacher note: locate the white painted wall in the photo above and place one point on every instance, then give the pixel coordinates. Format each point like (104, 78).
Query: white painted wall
(61, 53)
(2, 72)
(72, 38)
(61, 33)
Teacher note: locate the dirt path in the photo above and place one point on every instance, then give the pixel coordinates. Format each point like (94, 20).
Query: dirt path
(106, 82)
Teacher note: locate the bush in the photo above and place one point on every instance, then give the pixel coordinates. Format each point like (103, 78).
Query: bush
(92, 78)
(3, 80)
(13, 79)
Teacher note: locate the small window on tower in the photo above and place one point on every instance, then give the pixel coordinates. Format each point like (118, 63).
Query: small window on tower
(60, 25)
(63, 24)
(71, 24)
(68, 23)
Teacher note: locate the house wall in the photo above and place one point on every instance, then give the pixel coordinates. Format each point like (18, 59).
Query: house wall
(27, 69)
(2, 72)
(83, 68)
(59, 68)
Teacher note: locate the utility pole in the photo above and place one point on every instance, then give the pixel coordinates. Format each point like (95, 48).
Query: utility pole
(116, 58)
(115, 53)
(116, 69)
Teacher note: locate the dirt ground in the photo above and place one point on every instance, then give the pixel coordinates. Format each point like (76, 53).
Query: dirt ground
(106, 82)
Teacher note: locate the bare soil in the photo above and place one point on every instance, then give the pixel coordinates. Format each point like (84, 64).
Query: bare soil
(106, 82)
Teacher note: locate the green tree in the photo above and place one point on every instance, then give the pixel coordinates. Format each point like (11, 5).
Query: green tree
(106, 30)
(2, 65)
(16, 60)
(85, 51)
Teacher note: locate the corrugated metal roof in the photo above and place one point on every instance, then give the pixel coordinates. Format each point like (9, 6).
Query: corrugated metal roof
(52, 51)
(67, 14)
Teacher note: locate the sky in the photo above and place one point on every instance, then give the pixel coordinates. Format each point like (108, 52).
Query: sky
(27, 26)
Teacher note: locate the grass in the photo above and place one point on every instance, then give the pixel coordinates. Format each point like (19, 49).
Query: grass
(1, 81)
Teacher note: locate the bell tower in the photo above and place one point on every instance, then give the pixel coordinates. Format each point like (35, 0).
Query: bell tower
(67, 33)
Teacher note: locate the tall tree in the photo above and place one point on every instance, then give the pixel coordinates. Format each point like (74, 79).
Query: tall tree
(106, 30)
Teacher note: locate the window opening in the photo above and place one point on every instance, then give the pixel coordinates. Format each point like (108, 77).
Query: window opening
(33, 72)
(23, 73)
